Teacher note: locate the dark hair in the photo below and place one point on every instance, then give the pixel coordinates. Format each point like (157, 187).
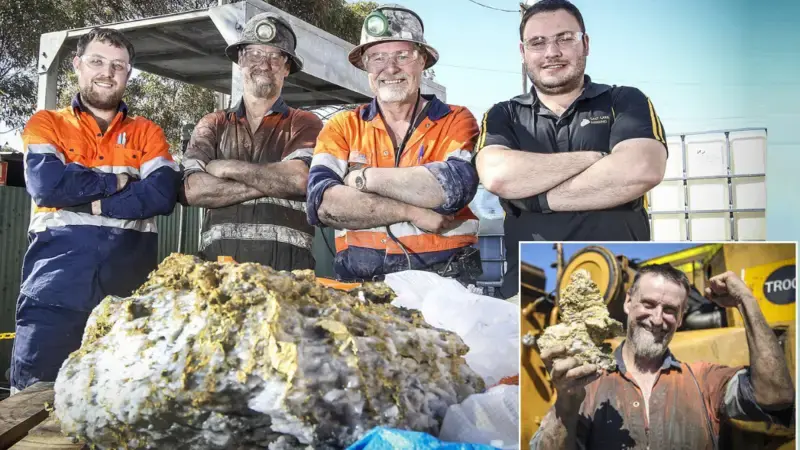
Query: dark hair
(665, 270)
(108, 36)
(550, 6)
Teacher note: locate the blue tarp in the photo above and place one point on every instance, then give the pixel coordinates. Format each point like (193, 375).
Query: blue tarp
(390, 439)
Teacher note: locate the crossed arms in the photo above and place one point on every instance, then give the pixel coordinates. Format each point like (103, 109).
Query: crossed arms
(55, 183)
(217, 183)
(427, 196)
(577, 180)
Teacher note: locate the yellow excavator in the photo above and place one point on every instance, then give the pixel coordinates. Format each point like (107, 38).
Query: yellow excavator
(709, 333)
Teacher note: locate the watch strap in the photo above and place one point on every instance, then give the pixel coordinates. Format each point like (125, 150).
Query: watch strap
(544, 207)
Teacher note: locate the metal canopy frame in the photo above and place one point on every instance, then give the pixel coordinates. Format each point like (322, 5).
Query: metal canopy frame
(190, 47)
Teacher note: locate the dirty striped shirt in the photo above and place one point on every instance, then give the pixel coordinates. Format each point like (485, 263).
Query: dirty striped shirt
(690, 405)
(269, 231)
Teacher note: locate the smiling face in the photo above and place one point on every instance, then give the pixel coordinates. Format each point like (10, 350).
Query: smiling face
(655, 311)
(397, 80)
(559, 66)
(101, 76)
(264, 69)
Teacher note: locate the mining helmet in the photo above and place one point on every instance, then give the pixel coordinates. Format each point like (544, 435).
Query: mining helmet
(392, 23)
(268, 29)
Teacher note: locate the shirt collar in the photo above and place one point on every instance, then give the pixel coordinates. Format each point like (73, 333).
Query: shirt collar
(669, 360)
(279, 107)
(590, 90)
(437, 109)
(77, 106)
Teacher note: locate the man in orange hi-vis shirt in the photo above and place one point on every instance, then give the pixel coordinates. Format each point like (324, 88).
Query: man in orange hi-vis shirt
(393, 177)
(98, 177)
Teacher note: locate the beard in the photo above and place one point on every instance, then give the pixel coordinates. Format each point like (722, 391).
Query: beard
(103, 100)
(648, 343)
(394, 93)
(561, 83)
(261, 84)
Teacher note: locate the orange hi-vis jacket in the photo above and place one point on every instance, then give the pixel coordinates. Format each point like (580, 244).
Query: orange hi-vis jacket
(442, 142)
(78, 254)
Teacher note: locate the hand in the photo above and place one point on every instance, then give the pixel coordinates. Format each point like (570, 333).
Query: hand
(350, 178)
(568, 376)
(430, 221)
(122, 180)
(727, 290)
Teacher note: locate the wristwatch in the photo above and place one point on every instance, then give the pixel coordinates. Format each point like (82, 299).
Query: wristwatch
(361, 180)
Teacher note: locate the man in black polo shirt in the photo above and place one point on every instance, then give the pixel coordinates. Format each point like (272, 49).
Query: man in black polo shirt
(572, 159)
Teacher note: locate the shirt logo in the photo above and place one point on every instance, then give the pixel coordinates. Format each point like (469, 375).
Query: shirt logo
(357, 158)
(595, 120)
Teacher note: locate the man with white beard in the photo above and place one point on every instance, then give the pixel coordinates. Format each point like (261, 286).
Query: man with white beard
(249, 164)
(652, 400)
(394, 176)
(98, 177)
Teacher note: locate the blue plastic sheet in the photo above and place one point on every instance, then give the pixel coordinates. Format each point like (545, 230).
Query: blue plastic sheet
(391, 439)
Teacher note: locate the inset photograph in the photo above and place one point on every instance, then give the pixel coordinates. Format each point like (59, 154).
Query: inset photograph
(658, 345)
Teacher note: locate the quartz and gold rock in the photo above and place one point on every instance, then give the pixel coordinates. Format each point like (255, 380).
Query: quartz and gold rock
(239, 356)
(585, 323)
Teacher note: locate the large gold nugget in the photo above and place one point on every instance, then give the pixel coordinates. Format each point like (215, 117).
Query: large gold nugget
(585, 323)
(238, 356)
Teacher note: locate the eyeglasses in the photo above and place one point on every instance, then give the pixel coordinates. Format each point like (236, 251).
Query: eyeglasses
(563, 41)
(375, 62)
(98, 62)
(257, 57)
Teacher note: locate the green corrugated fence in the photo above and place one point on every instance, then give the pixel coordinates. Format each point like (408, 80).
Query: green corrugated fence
(15, 213)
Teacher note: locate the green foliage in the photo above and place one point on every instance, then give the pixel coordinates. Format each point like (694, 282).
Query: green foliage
(166, 102)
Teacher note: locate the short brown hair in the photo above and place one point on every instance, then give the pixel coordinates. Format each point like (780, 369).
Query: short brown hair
(550, 6)
(108, 36)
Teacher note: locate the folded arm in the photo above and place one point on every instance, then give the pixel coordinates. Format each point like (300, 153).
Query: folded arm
(343, 207)
(207, 191)
(634, 167)
(412, 185)
(285, 179)
(204, 189)
(331, 203)
(157, 191)
(153, 196)
(51, 181)
(513, 174)
(445, 186)
(636, 163)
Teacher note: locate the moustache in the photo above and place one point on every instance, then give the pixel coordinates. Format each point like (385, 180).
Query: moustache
(261, 72)
(656, 332)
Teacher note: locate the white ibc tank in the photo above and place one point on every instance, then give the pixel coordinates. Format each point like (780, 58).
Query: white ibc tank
(713, 188)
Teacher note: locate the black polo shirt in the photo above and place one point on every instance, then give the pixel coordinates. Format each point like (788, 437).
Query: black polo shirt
(599, 119)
